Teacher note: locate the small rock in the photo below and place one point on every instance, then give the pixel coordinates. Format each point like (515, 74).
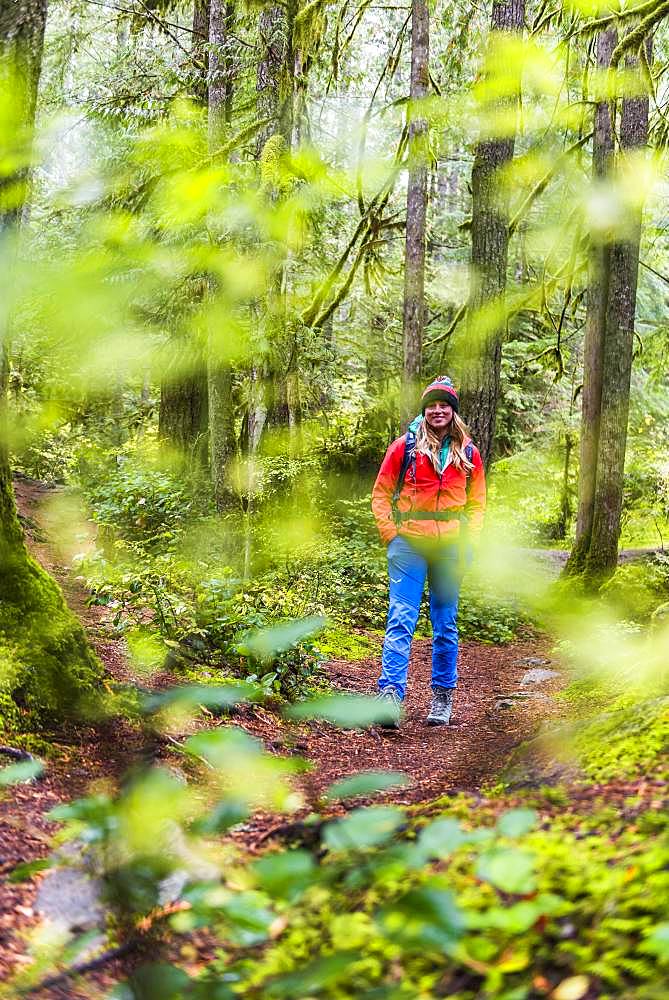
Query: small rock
(531, 661)
(171, 887)
(537, 676)
(69, 897)
(504, 703)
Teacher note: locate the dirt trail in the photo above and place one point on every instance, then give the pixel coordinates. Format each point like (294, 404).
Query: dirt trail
(496, 708)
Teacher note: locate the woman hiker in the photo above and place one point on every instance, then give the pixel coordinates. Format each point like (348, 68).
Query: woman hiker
(428, 500)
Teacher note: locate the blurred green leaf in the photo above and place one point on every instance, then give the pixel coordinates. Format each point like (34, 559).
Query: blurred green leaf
(225, 814)
(427, 917)
(508, 869)
(25, 770)
(28, 869)
(362, 828)
(366, 783)
(214, 696)
(347, 711)
(440, 838)
(159, 979)
(266, 644)
(287, 874)
(657, 942)
(517, 822)
(313, 978)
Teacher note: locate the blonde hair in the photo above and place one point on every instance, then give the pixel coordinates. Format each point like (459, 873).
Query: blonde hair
(428, 443)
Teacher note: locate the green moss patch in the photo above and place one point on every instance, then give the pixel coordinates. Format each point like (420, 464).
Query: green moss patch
(339, 643)
(48, 672)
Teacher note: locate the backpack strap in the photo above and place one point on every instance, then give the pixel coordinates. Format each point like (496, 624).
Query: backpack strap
(408, 459)
(469, 455)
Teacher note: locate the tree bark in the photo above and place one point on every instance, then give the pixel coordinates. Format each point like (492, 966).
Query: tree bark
(486, 326)
(222, 436)
(609, 348)
(416, 220)
(183, 416)
(616, 365)
(199, 50)
(593, 348)
(221, 17)
(22, 24)
(275, 86)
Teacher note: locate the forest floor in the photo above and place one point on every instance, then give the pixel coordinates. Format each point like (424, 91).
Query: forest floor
(505, 694)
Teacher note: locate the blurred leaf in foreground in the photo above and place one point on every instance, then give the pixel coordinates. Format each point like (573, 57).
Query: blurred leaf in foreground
(266, 644)
(346, 710)
(366, 783)
(25, 770)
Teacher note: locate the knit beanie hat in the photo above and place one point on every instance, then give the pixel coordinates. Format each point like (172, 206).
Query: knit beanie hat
(440, 389)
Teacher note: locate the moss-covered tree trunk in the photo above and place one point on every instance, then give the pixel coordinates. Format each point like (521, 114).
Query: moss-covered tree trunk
(486, 327)
(416, 221)
(46, 665)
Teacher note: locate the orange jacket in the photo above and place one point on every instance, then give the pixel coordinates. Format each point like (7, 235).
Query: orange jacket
(426, 490)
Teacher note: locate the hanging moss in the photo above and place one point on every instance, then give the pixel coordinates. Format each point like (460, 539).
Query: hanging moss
(273, 170)
(309, 26)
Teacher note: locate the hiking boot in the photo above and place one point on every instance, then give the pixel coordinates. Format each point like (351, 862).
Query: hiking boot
(391, 703)
(441, 707)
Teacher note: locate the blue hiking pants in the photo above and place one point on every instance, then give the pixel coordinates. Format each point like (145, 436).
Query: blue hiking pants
(408, 568)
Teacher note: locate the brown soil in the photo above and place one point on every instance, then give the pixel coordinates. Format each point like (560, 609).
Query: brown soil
(438, 761)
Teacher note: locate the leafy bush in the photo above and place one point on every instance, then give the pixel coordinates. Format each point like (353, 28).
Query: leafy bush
(474, 899)
(141, 502)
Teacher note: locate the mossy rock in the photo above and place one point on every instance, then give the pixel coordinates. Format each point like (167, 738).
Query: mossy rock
(48, 672)
(627, 742)
(547, 761)
(636, 589)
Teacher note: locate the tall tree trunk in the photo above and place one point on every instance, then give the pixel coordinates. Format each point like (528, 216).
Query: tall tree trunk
(199, 50)
(595, 328)
(22, 24)
(416, 221)
(222, 437)
(616, 365)
(275, 85)
(486, 326)
(183, 416)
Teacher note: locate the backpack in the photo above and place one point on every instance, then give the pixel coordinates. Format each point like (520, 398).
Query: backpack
(409, 460)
